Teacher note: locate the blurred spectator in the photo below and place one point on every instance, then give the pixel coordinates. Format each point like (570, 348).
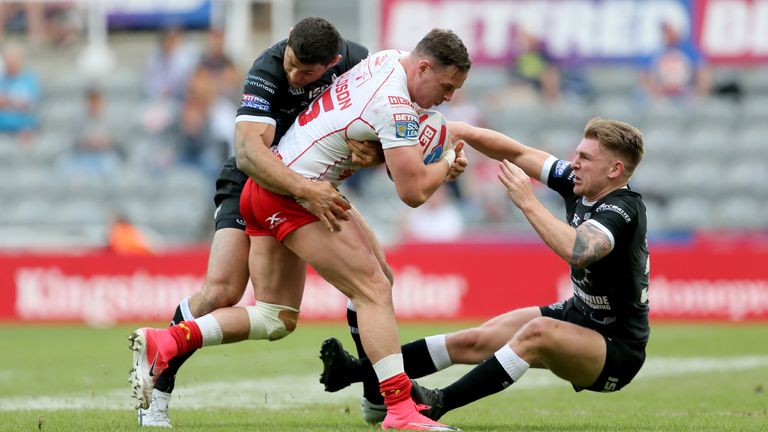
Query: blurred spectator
(195, 145)
(126, 239)
(438, 220)
(169, 67)
(166, 82)
(217, 85)
(534, 67)
(19, 95)
(484, 203)
(219, 68)
(50, 21)
(677, 70)
(94, 150)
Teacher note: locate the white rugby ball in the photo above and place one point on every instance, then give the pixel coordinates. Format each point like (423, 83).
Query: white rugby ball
(433, 135)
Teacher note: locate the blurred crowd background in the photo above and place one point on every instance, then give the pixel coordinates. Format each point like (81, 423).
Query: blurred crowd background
(120, 114)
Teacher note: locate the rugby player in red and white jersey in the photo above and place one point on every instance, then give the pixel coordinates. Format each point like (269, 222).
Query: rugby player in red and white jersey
(281, 83)
(373, 101)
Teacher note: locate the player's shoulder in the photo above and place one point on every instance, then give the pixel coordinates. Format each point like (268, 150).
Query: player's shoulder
(353, 52)
(624, 201)
(270, 61)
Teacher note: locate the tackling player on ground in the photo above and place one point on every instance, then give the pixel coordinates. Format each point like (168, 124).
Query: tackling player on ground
(596, 339)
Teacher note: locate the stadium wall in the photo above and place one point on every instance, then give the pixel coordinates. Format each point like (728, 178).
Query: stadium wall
(432, 282)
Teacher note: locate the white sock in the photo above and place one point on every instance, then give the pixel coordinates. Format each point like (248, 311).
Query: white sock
(186, 313)
(512, 363)
(389, 366)
(210, 329)
(438, 350)
(351, 307)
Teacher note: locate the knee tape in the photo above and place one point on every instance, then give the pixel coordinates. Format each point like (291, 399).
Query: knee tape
(265, 321)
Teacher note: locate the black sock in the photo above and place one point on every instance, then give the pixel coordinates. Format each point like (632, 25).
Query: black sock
(354, 331)
(485, 379)
(371, 389)
(167, 380)
(417, 360)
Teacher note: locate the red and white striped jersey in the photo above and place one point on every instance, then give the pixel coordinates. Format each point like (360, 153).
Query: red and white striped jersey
(369, 102)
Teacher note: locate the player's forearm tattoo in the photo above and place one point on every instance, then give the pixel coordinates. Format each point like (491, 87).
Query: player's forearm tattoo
(591, 244)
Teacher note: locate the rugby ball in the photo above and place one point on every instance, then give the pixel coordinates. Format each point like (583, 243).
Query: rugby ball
(433, 135)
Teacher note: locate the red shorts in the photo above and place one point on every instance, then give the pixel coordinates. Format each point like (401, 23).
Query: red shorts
(266, 213)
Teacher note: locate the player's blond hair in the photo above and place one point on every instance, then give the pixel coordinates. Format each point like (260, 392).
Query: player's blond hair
(620, 138)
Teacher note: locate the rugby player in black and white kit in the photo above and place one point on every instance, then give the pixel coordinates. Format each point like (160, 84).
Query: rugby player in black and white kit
(596, 339)
(280, 84)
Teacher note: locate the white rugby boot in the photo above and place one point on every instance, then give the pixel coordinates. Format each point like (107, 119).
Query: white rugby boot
(157, 413)
(372, 413)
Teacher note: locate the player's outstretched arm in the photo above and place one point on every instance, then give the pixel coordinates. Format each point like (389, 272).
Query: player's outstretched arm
(414, 181)
(498, 146)
(579, 247)
(255, 159)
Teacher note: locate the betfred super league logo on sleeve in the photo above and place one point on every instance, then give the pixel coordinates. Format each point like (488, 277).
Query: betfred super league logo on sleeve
(255, 101)
(406, 125)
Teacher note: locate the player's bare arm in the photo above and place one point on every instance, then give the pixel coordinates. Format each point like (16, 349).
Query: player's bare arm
(366, 154)
(255, 159)
(559, 236)
(414, 181)
(591, 245)
(499, 146)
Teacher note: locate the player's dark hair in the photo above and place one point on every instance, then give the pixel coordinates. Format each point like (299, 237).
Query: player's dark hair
(446, 48)
(314, 41)
(619, 137)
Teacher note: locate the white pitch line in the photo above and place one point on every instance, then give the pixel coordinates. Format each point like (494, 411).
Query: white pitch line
(294, 390)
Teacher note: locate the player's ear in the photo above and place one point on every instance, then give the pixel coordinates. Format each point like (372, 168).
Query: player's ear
(424, 66)
(617, 169)
(334, 62)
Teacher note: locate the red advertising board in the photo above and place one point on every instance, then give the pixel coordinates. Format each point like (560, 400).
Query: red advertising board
(433, 282)
(726, 31)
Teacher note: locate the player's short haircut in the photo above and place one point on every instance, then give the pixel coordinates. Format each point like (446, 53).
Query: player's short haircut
(618, 137)
(314, 41)
(446, 48)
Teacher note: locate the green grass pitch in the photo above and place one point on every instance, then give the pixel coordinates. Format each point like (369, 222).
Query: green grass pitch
(70, 378)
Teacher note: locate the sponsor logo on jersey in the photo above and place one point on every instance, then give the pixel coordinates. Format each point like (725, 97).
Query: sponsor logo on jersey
(274, 220)
(256, 101)
(404, 117)
(576, 220)
(408, 129)
(399, 101)
(257, 81)
(614, 208)
(560, 167)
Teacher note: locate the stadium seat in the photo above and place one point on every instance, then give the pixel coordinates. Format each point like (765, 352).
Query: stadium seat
(689, 212)
(740, 212)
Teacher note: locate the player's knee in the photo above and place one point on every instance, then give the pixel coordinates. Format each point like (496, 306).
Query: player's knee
(374, 290)
(469, 346)
(271, 321)
(534, 335)
(220, 293)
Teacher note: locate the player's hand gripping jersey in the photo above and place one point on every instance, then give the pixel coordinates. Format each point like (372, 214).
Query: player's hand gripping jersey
(368, 103)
